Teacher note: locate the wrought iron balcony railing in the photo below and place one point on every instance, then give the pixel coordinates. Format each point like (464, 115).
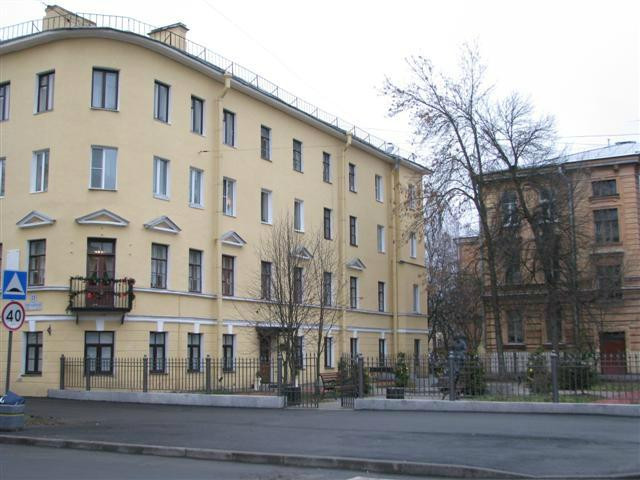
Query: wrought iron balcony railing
(100, 294)
(202, 54)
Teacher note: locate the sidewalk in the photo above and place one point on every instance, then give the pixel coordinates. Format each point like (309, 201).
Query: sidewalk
(539, 445)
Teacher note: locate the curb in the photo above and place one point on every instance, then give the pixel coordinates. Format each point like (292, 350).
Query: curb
(283, 459)
(497, 407)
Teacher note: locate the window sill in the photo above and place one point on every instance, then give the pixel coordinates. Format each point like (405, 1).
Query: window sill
(34, 374)
(162, 121)
(197, 206)
(35, 193)
(353, 191)
(95, 189)
(202, 135)
(298, 171)
(328, 182)
(161, 197)
(615, 196)
(101, 109)
(232, 215)
(43, 111)
(266, 159)
(269, 224)
(158, 288)
(299, 231)
(379, 201)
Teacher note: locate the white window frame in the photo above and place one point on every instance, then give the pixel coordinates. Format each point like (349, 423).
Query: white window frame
(193, 173)
(355, 177)
(301, 155)
(298, 220)
(3, 166)
(381, 238)
(234, 129)
(416, 298)
(50, 92)
(357, 236)
(117, 92)
(357, 299)
(413, 245)
(44, 175)
(156, 178)
(384, 296)
(203, 116)
(156, 112)
(4, 112)
(229, 208)
(102, 175)
(269, 196)
(379, 188)
(270, 139)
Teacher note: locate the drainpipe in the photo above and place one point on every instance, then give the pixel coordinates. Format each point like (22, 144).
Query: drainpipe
(217, 224)
(395, 243)
(342, 245)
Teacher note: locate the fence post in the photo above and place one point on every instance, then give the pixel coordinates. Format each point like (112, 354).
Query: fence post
(280, 373)
(145, 374)
(360, 377)
(87, 373)
(515, 363)
(62, 372)
(554, 377)
(452, 379)
(207, 370)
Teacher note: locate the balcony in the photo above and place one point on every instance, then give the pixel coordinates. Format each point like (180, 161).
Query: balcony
(100, 295)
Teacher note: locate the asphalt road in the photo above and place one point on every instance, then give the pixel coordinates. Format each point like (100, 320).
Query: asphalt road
(560, 445)
(26, 463)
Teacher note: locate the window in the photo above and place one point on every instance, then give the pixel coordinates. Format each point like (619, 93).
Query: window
(33, 353)
(353, 292)
(327, 292)
(98, 352)
(512, 263)
(413, 248)
(229, 125)
(104, 89)
(159, 254)
(327, 224)
(416, 298)
(37, 256)
(515, 329)
(229, 197)
(298, 215)
(352, 177)
(227, 275)
(157, 342)
(609, 281)
(297, 285)
(381, 299)
(103, 168)
(606, 223)
(379, 188)
(353, 347)
(194, 342)
(4, 101)
(509, 208)
(326, 167)
(297, 155)
(381, 239)
(547, 206)
(604, 188)
(161, 102)
(382, 351)
(353, 231)
(558, 325)
(416, 351)
(328, 352)
(195, 188)
(160, 178)
(44, 101)
(40, 171)
(195, 270)
(197, 115)
(265, 280)
(265, 143)
(2, 170)
(227, 352)
(411, 196)
(266, 206)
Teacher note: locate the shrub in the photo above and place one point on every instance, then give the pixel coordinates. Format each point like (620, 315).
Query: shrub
(538, 375)
(472, 377)
(576, 372)
(401, 372)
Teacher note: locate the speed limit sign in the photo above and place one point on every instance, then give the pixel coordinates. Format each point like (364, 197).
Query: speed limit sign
(13, 315)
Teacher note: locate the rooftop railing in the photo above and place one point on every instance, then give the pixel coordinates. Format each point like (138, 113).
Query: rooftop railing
(205, 55)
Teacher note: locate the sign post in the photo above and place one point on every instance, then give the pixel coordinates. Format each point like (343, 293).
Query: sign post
(14, 287)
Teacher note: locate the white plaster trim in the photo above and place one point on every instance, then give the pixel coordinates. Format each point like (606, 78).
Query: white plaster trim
(116, 220)
(99, 325)
(173, 292)
(163, 224)
(233, 239)
(196, 329)
(50, 318)
(156, 319)
(42, 219)
(160, 326)
(32, 325)
(414, 330)
(367, 329)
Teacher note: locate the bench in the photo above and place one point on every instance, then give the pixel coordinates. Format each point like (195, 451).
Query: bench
(329, 380)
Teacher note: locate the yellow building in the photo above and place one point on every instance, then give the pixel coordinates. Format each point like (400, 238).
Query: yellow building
(138, 173)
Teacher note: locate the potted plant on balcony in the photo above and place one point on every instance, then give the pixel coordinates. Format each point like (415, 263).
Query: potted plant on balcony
(401, 379)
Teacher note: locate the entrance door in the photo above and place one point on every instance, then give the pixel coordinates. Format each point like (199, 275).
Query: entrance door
(612, 353)
(265, 358)
(101, 261)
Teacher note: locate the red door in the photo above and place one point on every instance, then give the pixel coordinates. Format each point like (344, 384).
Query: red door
(612, 353)
(101, 261)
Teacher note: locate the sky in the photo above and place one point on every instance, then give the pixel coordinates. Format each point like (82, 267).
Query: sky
(576, 60)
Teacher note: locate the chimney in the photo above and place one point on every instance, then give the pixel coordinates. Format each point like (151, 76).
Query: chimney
(174, 35)
(58, 17)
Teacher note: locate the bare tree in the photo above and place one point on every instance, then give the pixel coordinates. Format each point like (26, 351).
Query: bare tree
(299, 290)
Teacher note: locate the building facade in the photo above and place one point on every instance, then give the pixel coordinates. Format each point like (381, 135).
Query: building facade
(605, 216)
(137, 178)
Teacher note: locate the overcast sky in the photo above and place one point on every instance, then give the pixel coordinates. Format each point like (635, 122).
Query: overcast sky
(576, 60)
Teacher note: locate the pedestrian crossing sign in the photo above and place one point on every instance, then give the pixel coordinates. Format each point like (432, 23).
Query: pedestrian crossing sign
(14, 285)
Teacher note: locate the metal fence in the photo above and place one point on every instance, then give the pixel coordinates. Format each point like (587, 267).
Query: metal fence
(563, 377)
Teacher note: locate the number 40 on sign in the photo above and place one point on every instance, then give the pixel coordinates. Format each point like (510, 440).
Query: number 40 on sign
(13, 316)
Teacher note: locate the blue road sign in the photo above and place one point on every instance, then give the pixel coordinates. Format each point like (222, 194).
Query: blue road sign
(14, 285)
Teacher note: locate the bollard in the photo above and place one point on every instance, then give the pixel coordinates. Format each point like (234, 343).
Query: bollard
(62, 372)
(87, 373)
(554, 377)
(361, 391)
(145, 374)
(452, 380)
(208, 374)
